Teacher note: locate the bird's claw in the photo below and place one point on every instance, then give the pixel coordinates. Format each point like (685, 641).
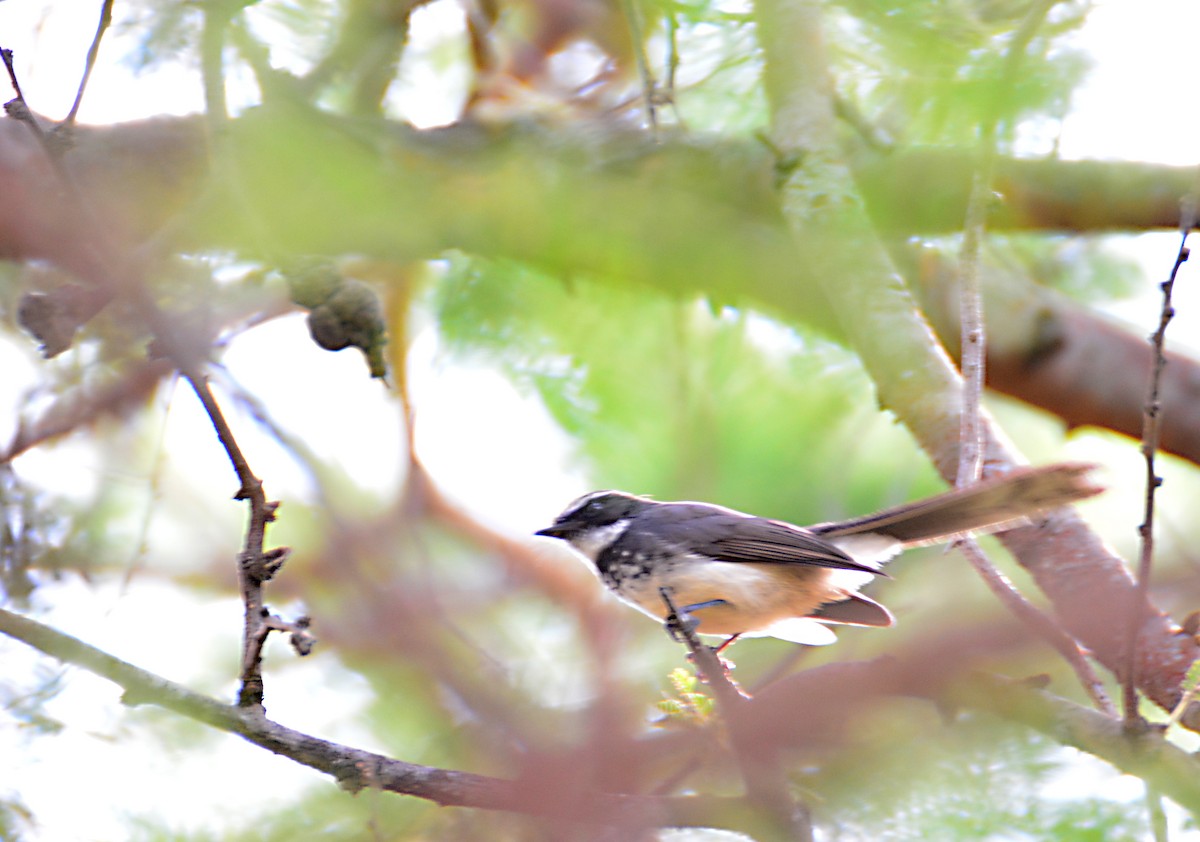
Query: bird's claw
(678, 624)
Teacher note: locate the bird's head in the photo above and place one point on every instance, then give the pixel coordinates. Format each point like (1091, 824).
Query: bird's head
(595, 520)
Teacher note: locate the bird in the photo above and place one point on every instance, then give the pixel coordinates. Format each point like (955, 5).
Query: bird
(734, 574)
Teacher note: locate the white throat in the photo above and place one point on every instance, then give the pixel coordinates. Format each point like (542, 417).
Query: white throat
(591, 542)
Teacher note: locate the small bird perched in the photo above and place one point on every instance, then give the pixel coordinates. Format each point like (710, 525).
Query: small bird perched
(731, 573)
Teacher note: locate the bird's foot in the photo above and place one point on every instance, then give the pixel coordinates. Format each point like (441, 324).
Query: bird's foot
(678, 624)
(681, 621)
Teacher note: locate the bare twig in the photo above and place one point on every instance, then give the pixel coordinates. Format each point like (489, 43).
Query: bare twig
(255, 565)
(706, 659)
(113, 275)
(356, 769)
(971, 440)
(93, 51)
(765, 782)
(972, 365)
(19, 110)
(649, 87)
(1151, 426)
(1041, 623)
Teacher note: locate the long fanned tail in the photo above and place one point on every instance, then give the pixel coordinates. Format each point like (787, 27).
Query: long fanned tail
(986, 506)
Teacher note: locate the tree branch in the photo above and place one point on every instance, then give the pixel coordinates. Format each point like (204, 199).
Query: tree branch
(761, 771)
(355, 769)
(1051, 353)
(912, 374)
(90, 63)
(1151, 434)
(322, 185)
(941, 667)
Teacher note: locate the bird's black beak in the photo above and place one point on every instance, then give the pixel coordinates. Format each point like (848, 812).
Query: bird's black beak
(558, 530)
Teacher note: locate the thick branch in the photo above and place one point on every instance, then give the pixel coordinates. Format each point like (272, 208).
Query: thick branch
(136, 175)
(912, 373)
(925, 191)
(848, 689)
(1078, 365)
(681, 219)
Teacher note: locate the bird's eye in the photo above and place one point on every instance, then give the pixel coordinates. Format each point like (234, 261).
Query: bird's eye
(595, 506)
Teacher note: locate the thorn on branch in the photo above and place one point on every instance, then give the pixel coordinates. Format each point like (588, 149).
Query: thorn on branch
(301, 639)
(133, 697)
(272, 561)
(262, 567)
(251, 488)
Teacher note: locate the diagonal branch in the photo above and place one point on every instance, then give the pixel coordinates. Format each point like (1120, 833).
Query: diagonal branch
(1151, 434)
(255, 565)
(912, 374)
(761, 771)
(356, 769)
(106, 8)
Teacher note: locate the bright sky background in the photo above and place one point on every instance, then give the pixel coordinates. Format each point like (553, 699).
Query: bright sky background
(1140, 104)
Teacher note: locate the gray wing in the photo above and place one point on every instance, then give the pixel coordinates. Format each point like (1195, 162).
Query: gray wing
(728, 535)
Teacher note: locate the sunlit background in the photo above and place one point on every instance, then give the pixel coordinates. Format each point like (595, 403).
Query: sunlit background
(489, 442)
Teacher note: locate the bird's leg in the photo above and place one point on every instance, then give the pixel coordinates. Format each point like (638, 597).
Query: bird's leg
(681, 626)
(681, 618)
(719, 649)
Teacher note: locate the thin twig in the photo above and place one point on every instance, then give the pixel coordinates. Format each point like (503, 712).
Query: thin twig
(254, 565)
(765, 782)
(93, 51)
(19, 109)
(973, 367)
(971, 443)
(707, 661)
(649, 88)
(1040, 622)
(1151, 430)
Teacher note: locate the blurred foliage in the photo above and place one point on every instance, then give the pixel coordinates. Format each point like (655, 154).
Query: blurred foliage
(688, 704)
(166, 33)
(467, 665)
(322, 812)
(1084, 269)
(670, 398)
(24, 699)
(976, 779)
(17, 822)
(935, 71)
